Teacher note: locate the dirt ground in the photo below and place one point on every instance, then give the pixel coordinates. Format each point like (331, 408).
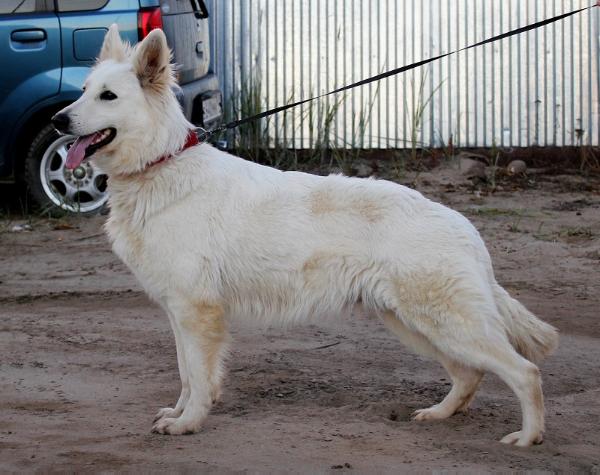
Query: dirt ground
(86, 360)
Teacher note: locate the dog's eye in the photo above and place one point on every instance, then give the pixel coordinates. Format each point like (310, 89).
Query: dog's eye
(108, 96)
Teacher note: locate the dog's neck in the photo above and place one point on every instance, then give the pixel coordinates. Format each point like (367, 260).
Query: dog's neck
(132, 174)
(134, 198)
(191, 141)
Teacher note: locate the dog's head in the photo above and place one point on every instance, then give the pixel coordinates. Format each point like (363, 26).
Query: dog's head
(127, 115)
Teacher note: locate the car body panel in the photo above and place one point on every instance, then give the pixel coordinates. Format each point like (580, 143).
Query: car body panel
(183, 22)
(86, 26)
(36, 71)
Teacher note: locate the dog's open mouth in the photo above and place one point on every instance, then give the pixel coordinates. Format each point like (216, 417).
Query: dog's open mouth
(87, 145)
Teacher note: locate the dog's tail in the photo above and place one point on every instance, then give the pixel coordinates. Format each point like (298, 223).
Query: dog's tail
(531, 337)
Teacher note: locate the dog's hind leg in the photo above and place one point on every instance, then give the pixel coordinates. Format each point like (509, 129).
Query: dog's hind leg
(522, 376)
(465, 380)
(183, 374)
(409, 338)
(458, 317)
(468, 338)
(204, 337)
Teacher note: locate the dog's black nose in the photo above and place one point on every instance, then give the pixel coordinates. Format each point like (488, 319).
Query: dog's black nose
(61, 122)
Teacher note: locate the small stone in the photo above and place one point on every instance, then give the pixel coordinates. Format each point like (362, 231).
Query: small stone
(476, 170)
(340, 466)
(362, 170)
(516, 167)
(465, 163)
(19, 228)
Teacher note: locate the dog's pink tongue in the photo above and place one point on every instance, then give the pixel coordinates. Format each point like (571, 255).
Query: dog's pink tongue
(76, 153)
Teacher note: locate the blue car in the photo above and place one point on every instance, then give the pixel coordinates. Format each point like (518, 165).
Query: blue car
(46, 50)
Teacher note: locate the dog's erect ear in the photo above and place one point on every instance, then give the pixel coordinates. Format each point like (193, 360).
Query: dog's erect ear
(151, 62)
(113, 48)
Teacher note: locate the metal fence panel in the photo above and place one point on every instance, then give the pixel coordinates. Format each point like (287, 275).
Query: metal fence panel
(540, 88)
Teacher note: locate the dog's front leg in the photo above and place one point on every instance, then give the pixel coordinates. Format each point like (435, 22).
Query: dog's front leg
(183, 374)
(203, 336)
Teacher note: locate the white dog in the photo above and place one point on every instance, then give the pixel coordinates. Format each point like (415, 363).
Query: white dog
(212, 238)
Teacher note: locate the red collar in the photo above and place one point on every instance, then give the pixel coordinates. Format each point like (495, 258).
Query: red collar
(192, 140)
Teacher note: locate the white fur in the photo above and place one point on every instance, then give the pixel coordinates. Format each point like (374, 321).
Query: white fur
(214, 238)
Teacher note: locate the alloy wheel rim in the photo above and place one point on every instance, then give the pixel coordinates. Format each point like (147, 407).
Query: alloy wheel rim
(81, 190)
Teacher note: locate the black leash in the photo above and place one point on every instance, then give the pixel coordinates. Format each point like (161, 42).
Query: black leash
(205, 135)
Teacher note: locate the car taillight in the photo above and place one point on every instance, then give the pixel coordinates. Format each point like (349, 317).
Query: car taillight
(148, 20)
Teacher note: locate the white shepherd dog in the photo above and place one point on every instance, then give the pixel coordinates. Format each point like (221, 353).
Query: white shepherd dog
(214, 238)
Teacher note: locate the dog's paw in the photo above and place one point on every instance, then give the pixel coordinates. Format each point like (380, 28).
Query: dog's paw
(520, 440)
(175, 426)
(433, 413)
(167, 412)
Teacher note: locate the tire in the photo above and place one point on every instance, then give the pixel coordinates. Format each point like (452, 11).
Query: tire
(55, 189)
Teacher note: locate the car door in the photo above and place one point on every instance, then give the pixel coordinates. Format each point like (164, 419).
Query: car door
(30, 55)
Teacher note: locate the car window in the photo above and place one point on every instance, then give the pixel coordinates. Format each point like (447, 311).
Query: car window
(9, 7)
(80, 5)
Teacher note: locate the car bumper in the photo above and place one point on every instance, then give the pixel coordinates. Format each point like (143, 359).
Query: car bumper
(201, 101)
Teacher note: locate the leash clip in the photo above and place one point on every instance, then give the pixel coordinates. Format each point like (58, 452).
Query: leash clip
(204, 135)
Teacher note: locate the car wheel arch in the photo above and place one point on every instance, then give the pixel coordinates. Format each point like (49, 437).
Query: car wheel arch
(27, 130)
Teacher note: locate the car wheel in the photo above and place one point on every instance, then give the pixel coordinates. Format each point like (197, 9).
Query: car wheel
(52, 186)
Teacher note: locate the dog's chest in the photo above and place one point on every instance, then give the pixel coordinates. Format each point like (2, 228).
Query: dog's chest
(163, 257)
(128, 243)
(129, 247)
(132, 249)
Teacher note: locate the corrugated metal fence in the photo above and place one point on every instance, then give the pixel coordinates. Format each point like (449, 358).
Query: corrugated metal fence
(540, 88)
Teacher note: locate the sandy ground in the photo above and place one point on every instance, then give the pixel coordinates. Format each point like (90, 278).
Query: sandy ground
(86, 360)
